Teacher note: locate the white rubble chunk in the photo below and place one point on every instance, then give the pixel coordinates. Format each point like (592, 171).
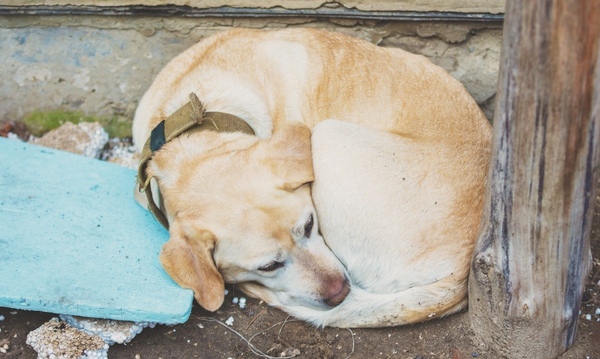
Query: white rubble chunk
(59, 340)
(121, 152)
(86, 138)
(111, 331)
(229, 321)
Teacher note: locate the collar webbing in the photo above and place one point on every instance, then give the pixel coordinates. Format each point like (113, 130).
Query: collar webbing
(190, 117)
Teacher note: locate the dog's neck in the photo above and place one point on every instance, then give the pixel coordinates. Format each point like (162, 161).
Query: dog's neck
(191, 117)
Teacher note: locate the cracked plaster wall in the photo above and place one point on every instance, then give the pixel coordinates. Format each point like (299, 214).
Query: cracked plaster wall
(102, 65)
(487, 6)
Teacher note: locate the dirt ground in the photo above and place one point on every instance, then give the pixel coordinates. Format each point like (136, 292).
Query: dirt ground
(272, 332)
(260, 328)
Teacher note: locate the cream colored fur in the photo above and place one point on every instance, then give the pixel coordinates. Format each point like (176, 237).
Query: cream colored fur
(398, 168)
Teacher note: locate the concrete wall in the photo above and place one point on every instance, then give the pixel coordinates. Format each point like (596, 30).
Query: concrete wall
(102, 64)
(466, 6)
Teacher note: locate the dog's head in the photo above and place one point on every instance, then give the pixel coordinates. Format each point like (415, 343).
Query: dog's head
(240, 211)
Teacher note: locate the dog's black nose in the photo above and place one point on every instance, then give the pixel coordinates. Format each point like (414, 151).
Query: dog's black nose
(337, 292)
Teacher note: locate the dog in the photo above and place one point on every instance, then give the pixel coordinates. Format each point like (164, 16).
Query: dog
(353, 197)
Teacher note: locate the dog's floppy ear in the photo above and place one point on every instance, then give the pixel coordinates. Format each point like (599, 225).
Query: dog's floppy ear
(189, 262)
(290, 155)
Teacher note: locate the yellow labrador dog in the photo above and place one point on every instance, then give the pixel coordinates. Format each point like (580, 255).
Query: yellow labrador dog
(368, 221)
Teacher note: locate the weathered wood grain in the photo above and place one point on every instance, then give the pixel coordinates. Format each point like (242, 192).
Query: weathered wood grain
(533, 253)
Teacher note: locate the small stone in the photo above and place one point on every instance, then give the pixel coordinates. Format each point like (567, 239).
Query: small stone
(13, 136)
(290, 352)
(229, 321)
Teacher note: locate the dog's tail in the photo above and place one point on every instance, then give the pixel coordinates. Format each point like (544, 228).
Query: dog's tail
(417, 304)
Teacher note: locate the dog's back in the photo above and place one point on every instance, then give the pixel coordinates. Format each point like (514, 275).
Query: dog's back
(311, 75)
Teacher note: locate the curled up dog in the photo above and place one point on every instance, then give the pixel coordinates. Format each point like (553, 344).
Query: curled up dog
(339, 181)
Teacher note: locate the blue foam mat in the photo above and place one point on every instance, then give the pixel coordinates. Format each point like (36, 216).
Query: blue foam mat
(73, 240)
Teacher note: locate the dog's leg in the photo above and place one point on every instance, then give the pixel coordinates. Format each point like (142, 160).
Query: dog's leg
(386, 210)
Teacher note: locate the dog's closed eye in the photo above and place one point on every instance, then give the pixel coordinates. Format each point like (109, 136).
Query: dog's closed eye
(308, 226)
(271, 266)
(304, 230)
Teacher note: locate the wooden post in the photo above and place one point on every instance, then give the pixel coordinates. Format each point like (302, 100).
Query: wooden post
(533, 255)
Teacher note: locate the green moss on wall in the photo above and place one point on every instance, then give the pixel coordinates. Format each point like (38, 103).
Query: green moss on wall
(40, 122)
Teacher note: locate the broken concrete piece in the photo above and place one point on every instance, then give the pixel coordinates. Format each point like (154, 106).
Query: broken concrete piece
(81, 338)
(111, 331)
(86, 138)
(58, 340)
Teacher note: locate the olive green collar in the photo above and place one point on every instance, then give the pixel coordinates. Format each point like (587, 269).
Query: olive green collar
(191, 117)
